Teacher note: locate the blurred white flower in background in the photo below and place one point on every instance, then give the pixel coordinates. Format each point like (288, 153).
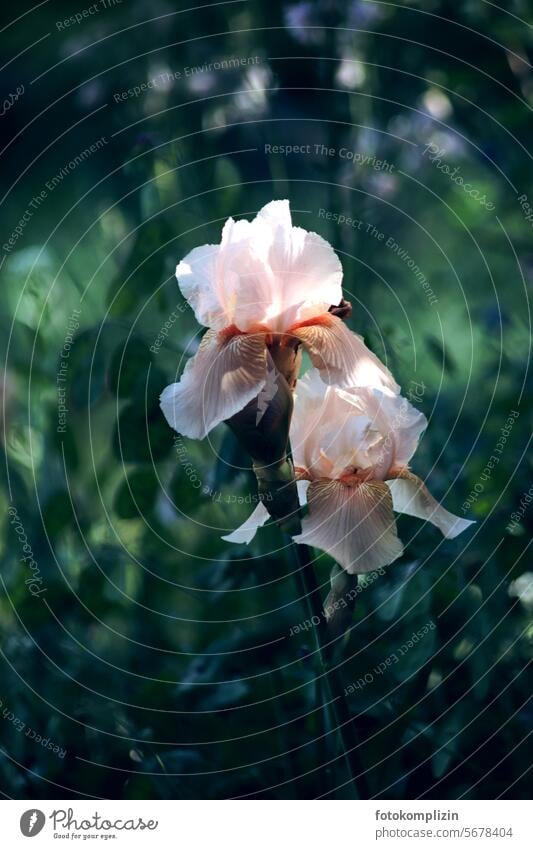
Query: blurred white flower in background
(350, 73)
(437, 103)
(522, 588)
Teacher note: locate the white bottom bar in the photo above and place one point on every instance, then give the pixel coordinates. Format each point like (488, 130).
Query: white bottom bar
(267, 824)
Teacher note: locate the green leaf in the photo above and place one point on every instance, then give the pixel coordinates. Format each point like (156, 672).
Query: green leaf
(57, 513)
(141, 436)
(136, 494)
(85, 370)
(441, 355)
(129, 362)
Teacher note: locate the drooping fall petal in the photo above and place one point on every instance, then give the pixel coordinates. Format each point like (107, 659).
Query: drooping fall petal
(222, 377)
(341, 356)
(410, 495)
(355, 525)
(246, 532)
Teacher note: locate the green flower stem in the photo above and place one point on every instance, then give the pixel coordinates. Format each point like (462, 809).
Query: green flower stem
(342, 717)
(276, 487)
(264, 433)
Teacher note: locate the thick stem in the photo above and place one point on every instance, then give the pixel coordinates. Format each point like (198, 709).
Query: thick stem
(343, 720)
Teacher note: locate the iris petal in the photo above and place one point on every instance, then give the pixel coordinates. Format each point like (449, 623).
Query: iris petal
(222, 377)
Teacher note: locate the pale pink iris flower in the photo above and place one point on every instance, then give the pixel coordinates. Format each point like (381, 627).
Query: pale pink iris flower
(351, 449)
(266, 283)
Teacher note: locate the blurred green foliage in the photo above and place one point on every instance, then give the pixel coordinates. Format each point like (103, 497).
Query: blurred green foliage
(159, 657)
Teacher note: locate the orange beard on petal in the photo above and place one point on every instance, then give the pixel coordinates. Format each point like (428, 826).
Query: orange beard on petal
(228, 333)
(302, 474)
(350, 479)
(324, 320)
(284, 348)
(357, 477)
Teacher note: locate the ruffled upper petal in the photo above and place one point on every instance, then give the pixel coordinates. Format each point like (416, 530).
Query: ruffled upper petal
(395, 420)
(355, 525)
(222, 377)
(326, 433)
(196, 275)
(411, 496)
(341, 356)
(306, 271)
(276, 214)
(263, 272)
(335, 431)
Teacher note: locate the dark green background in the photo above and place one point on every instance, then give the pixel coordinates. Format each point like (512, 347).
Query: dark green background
(159, 656)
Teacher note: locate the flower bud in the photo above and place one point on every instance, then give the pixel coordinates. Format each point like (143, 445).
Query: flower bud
(262, 428)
